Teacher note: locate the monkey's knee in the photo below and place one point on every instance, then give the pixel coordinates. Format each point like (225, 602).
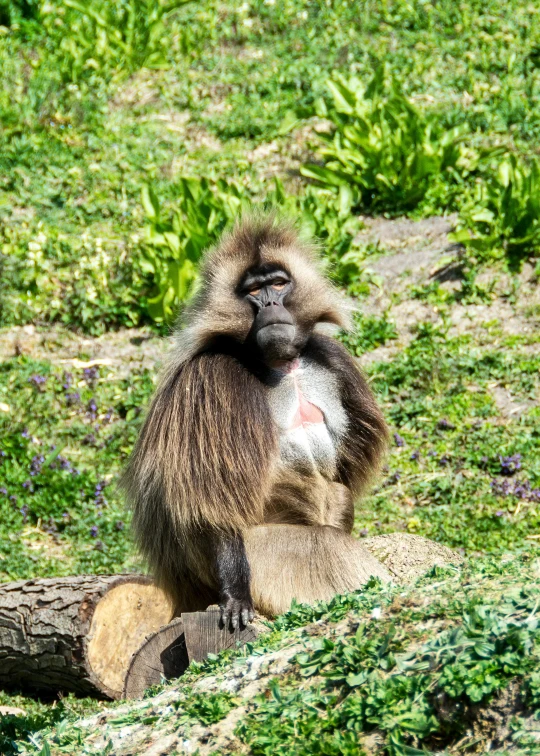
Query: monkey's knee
(307, 564)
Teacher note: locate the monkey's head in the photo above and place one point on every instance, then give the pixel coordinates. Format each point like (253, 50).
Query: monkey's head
(263, 288)
(274, 333)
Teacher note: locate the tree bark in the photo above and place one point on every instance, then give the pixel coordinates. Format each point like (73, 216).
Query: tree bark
(76, 633)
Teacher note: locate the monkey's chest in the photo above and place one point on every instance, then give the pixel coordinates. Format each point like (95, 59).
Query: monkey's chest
(311, 421)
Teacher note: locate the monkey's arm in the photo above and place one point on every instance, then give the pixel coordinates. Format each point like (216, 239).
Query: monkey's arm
(234, 575)
(364, 443)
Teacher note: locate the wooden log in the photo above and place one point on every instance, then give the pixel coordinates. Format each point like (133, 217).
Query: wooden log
(167, 653)
(76, 633)
(162, 656)
(205, 634)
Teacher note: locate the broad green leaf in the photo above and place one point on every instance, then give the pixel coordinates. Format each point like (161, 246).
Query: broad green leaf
(150, 203)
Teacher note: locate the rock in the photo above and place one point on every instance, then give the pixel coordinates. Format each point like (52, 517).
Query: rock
(407, 556)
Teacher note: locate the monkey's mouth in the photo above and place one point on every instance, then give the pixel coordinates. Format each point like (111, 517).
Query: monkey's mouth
(275, 333)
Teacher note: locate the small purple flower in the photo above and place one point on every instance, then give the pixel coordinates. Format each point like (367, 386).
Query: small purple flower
(37, 380)
(94, 531)
(521, 489)
(499, 513)
(510, 465)
(398, 440)
(66, 516)
(415, 455)
(36, 464)
(91, 374)
(432, 453)
(28, 484)
(73, 398)
(62, 463)
(13, 498)
(3, 491)
(24, 511)
(25, 433)
(2, 453)
(68, 380)
(91, 408)
(363, 533)
(444, 461)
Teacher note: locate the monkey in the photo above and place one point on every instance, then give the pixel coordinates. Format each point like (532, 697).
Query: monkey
(261, 435)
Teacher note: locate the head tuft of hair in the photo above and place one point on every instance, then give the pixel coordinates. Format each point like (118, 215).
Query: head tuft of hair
(219, 310)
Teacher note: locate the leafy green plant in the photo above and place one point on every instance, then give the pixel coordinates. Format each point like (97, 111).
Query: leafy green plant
(85, 283)
(173, 245)
(503, 216)
(384, 148)
(98, 35)
(369, 333)
(209, 708)
(13, 11)
(388, 678)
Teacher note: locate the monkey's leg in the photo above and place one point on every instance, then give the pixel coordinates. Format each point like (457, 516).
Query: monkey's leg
(309, 500)
(305, 563)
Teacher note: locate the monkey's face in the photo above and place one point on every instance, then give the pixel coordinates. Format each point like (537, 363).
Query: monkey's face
(274, 333)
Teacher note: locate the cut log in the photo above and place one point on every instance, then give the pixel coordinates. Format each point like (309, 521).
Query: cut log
(205, 634)
(162, 656)
(76, 633)
(167, 653)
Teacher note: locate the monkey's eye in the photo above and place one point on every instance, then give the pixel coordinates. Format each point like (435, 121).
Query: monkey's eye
(254, 292)
(279, 285)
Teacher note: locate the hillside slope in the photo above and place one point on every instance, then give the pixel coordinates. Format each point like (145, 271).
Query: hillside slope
(449, 665)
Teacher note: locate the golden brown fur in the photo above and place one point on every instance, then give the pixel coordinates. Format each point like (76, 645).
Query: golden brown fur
(206, 458)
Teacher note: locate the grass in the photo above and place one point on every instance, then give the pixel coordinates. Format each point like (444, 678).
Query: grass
(122, 157)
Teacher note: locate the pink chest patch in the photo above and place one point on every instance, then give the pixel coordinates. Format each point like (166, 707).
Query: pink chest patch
(305, 411)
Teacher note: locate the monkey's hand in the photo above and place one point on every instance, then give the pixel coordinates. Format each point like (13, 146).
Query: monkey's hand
(236, 611)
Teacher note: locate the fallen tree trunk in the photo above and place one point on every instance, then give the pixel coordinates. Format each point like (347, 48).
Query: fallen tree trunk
(109, 635)
(76, 633)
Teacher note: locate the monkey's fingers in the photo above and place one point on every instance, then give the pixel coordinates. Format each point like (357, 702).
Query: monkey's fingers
(236, 613)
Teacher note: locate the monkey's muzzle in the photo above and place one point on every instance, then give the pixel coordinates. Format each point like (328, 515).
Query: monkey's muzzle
(275, 333)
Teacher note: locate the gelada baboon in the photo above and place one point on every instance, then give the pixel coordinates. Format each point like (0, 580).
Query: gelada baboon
(260, 435)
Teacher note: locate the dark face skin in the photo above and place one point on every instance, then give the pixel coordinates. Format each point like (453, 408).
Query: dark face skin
(274, 333)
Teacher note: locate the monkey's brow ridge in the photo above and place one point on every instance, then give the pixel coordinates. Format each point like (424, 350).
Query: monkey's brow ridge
(260, 277)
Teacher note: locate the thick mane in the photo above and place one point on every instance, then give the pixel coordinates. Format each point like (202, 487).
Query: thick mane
(217, 310)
